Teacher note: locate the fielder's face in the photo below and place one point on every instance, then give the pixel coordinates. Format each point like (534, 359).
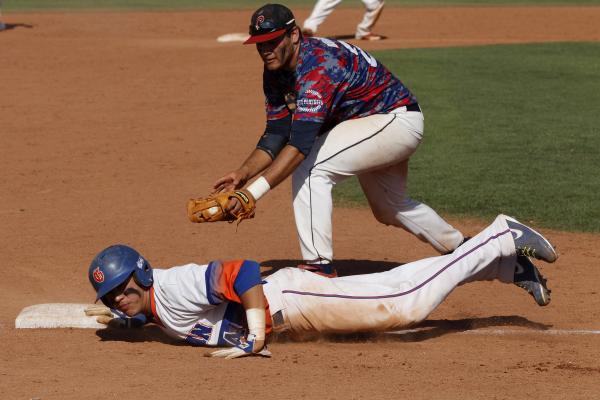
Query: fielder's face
(127, 298)
(280, 52)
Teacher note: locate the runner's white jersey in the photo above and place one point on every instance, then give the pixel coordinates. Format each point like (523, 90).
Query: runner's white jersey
(200, 303)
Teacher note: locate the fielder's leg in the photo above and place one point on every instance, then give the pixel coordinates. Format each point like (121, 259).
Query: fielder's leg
(386, 192)
(313, 207)
(350, 148)
(385, 189)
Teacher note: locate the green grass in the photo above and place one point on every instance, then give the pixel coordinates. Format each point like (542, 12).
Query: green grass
(25, 5)
(511, 128)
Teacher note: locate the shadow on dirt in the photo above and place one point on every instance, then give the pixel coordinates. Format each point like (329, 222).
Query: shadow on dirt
(429, 329)
(149, 333)
(8, 27)
(349, 37)
(343, 267)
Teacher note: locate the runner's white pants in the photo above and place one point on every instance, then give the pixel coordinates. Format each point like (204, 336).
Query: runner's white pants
(377, 149)
(388, 300)
(323, 8)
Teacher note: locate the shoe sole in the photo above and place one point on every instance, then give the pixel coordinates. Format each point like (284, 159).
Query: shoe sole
(323, 274)
(370, 38)
(549, 252)
(536, 288)
(540, 293)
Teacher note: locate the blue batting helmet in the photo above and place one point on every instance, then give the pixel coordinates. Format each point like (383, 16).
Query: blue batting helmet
(114, 265)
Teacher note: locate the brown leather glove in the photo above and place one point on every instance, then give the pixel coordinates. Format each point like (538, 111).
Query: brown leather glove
(214, 207)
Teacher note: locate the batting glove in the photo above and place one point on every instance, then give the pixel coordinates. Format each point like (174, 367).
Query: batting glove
(243, 349)
(115, 318)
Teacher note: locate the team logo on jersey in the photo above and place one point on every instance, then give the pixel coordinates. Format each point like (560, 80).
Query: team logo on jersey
(98, 275)
(199, 335)
(259, 20)
(312, 101)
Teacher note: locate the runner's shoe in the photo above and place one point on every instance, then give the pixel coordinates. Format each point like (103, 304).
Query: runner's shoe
(530, 243)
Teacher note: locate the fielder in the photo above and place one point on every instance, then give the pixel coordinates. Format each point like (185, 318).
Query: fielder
(323, 8)
(228, 304)
(333, 111)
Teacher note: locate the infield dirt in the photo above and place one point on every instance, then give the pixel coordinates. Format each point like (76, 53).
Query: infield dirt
(109, 122)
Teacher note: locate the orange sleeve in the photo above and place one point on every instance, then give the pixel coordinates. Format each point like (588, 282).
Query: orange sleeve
(227, 277)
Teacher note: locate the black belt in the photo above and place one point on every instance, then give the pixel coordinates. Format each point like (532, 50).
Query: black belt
(413, 107)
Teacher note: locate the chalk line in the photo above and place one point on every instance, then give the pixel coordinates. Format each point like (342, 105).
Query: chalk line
(500, 332)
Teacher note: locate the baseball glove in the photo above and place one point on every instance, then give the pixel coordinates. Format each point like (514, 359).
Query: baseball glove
(214, 207)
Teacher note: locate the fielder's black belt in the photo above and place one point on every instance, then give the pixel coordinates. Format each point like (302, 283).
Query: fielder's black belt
(413, 107)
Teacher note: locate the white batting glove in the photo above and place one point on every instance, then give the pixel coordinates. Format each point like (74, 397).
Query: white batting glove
(102, 313)
(243, 349)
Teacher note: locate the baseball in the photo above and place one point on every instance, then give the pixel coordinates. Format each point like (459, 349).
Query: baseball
(213, 210)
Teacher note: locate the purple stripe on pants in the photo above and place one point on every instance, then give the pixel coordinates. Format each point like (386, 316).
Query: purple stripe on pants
(401, 293)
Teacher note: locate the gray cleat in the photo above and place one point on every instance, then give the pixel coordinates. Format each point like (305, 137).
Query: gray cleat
(529, 278)
(530, 243)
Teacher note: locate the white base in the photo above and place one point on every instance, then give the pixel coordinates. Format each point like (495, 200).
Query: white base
(56, 315)
(233, 37)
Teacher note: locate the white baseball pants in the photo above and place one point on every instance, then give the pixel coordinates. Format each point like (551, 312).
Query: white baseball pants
(323, 8)
(376, 149)
(309, 303)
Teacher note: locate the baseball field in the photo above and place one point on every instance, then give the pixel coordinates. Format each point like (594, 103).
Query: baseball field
(114, 113)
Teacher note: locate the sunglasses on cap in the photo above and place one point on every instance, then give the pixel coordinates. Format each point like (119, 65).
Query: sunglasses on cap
(270, 22)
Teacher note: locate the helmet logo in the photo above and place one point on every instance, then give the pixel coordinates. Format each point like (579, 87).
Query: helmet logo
(259, 20)
(98, 275)
(140, 263)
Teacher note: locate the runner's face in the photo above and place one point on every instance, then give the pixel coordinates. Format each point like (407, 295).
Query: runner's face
(127, 298)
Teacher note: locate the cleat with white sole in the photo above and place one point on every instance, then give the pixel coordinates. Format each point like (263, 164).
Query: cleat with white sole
(529, 278)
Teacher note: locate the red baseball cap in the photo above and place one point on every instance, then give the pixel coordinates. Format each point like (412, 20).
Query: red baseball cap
(269, 22)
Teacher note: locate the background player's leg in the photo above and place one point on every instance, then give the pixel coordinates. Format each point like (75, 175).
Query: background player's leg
(321, 11)
(394, 299)
(386, 192)
(372, 14)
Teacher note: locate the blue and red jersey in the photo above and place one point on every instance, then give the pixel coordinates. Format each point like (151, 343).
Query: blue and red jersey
(333, 82)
